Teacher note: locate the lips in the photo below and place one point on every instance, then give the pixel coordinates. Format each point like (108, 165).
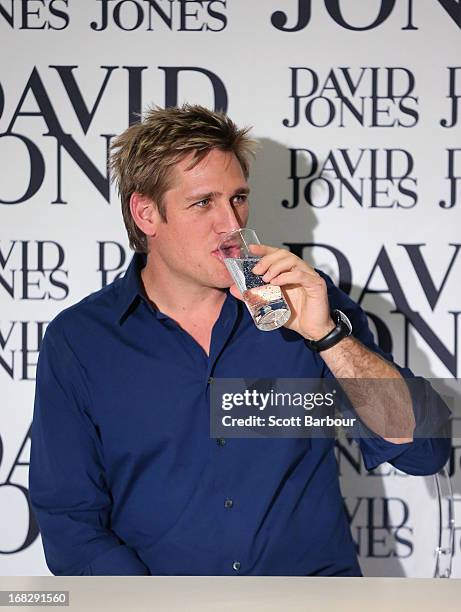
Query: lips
(232, 249)
(217, 253)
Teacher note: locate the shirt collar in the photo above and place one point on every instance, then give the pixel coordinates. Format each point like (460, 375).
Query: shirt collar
(132, 289)
(131, 286)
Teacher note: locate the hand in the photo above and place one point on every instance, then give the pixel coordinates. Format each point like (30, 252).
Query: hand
(304, 290)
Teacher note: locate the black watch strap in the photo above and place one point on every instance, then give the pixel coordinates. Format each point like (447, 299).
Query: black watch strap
(342, 329)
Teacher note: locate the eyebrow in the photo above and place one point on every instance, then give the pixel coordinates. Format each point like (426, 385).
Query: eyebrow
(203, 196)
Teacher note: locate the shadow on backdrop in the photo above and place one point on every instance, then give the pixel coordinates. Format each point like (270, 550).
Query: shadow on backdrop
(269, 181)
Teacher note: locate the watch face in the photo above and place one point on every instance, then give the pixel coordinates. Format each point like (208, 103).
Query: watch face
(345, 320)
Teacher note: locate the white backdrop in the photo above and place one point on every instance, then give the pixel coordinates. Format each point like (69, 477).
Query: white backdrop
(356, 106)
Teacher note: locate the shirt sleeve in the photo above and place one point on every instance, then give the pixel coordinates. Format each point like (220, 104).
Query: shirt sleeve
(425, 455)
(67, 486)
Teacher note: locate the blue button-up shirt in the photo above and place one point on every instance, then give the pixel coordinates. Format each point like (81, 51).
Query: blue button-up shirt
(124, 477)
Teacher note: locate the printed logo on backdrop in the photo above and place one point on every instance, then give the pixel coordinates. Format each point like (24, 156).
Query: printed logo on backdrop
(345, 97)
(29, 271)
(407, 320)
(369, 178)
(122, 15)
(384, 526)
(22, 532)
(208, 15)
(381, 525)
(180, 15)
(20, 122)
(380, 12)
(380, 97)
(363, 97)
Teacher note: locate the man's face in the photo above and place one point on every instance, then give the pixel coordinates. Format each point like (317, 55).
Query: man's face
(205, 203)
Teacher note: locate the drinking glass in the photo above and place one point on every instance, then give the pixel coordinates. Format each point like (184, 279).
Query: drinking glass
(265, 302)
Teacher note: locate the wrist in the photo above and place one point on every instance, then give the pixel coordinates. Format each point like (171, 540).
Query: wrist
(318, 333)
(342, 328)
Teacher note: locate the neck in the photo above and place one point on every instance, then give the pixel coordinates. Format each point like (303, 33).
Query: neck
(177, 296)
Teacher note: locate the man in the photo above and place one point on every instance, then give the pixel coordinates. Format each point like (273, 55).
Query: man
(124, 477)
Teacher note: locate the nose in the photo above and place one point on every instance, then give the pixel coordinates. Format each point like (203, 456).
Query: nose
(227, 218)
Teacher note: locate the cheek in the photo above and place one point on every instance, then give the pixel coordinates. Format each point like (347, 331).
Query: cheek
(176, 235)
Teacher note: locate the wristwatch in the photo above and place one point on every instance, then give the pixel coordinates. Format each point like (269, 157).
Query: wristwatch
(342, 329)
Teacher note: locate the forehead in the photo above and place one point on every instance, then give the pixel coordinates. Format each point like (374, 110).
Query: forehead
(215, 166)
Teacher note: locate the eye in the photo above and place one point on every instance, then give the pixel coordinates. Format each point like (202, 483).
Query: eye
(241, 198)
(203, 203)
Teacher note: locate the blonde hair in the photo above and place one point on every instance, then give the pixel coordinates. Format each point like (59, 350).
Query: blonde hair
(143, 156)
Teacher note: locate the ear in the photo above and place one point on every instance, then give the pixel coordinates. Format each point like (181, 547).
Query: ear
(145, 213)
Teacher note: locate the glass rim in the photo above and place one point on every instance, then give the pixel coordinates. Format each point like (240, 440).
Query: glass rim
(238, 230)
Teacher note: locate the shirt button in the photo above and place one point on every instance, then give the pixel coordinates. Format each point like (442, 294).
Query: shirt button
(220, 441)
(236, 566)
(210, 380)
(228, 503)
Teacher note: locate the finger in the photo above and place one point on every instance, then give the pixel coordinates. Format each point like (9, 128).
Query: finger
(293, 277)
(233, 289)
(275, 254)
(315, 285)
(284, 264)
(270, 257)
(261, 249)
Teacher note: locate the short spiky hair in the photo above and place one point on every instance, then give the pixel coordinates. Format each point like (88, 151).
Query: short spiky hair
(143, 155)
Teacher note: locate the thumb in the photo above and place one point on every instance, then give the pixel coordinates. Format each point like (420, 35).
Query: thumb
(233, 289)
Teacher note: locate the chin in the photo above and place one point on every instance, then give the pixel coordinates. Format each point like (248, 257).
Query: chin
(218, 281)
(220, 277)
(221, 282)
